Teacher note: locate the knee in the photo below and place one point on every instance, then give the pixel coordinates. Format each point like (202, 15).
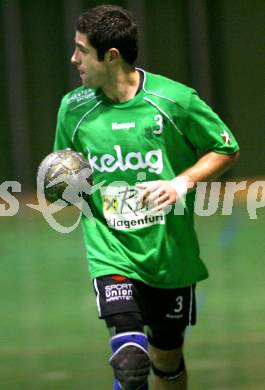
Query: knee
(166, 360)
(130, 360)
(168, 365)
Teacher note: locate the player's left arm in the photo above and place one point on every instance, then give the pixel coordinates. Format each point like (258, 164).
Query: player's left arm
(208, 134)
(162, 193)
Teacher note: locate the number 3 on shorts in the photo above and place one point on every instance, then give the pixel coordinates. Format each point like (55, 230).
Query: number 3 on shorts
(179, 301)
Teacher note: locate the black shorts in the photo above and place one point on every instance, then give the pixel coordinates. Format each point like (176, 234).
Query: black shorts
(166, 312)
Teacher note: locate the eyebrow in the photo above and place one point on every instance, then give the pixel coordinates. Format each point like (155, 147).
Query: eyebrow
(80, 46)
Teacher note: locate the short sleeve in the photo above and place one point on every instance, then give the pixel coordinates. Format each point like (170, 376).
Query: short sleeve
(205, 130)
(62, 138)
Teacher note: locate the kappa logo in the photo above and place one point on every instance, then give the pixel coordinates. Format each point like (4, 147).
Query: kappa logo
(119, 292)
(123, 126)
(152, 161)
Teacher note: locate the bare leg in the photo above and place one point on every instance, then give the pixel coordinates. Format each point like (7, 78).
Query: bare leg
(168, 361)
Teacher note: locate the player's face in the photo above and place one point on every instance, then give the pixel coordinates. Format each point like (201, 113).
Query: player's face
(92, 71)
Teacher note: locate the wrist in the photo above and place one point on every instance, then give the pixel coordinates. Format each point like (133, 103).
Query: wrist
(180, 185)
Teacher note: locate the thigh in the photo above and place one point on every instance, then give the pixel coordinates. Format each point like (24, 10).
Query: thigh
(166, 336)
(124, 322)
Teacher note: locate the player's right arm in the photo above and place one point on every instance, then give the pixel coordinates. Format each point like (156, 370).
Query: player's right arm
(62, 137)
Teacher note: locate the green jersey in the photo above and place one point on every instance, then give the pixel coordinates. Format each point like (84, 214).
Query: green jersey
(154, 136)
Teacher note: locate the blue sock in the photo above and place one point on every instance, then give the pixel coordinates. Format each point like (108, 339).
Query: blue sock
(116, 385)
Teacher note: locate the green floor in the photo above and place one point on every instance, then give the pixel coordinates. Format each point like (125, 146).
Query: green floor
(50, 337)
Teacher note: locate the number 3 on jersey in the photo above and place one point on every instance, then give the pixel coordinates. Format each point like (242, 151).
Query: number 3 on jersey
(159, 121)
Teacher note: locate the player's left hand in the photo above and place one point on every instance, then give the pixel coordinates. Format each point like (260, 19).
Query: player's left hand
(157, 195)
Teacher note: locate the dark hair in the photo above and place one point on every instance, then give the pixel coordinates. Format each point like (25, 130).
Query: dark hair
(109, 26)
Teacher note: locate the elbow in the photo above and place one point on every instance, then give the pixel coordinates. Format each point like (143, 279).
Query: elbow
(235, 156)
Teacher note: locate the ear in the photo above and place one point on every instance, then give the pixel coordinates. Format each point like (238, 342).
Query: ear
(113, 54)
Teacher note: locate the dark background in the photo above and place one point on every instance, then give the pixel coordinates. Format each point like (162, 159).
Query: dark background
(214, 46)
(50, 337)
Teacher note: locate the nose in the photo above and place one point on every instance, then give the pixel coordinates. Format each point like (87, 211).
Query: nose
(74, 59)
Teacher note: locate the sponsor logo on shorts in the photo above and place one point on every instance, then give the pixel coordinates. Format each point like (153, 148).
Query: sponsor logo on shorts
(118, 292)
(174, 316)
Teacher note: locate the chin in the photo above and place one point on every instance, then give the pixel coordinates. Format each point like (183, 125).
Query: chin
(88, 84)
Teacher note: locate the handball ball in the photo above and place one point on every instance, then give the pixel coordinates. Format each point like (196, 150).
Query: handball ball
(61, 169)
